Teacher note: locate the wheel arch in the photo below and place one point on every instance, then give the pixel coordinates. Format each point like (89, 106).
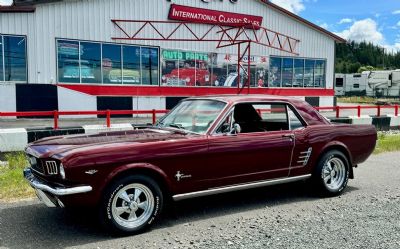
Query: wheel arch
(342, 148)
(155, 173)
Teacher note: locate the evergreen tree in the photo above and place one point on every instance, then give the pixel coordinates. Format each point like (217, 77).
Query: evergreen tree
(353, 57)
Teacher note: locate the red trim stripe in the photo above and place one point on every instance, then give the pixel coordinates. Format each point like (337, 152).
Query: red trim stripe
(107, 90)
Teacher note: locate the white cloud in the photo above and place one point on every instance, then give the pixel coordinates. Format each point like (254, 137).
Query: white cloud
(398, 23)
(363, 30)
(295, 6)
(396, 12)
(345, 20)
(324, 25)
(392, 48)
(6, 2)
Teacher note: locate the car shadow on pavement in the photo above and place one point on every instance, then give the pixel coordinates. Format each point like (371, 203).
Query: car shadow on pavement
(36, 226)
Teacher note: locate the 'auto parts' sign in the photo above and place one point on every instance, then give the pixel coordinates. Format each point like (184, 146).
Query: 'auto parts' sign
(199, 15)
(183, 55)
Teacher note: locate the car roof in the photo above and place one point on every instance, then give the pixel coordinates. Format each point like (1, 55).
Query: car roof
(237, 98)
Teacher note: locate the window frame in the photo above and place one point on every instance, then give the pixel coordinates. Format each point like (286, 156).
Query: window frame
(325, 60)
(3, 77)
(231, 109)
(57, 39)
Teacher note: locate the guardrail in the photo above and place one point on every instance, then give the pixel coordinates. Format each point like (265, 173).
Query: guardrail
(108, 113)
(378, 108)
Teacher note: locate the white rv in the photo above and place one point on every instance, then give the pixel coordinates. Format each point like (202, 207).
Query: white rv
(351, 84)
(384, 83)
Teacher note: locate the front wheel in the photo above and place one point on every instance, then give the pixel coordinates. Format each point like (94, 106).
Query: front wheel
(131, 204)
(332, 173)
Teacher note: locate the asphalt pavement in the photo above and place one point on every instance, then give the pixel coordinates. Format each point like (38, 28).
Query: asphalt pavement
(367, 215)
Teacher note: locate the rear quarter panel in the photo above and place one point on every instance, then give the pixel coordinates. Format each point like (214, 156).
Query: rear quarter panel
(358, 141)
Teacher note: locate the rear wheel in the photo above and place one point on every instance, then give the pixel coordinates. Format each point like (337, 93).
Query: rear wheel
(332, 173)
(131, 204)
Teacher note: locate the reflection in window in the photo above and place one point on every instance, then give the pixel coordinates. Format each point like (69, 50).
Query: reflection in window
(298, 72)
(1, 59)
(309, 73)
(111, 64)
(319, 73)
(275, 72)
(149, 66)
(131, 65)
(14, 58)
(68, 61)
(287, 72)
(90, 62)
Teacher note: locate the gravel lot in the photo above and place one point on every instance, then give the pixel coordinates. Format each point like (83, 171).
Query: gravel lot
(367, 215)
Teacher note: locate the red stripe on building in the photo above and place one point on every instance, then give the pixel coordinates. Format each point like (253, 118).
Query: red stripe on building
(99, 90)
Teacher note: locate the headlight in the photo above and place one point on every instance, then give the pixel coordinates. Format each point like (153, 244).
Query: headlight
(62, 171)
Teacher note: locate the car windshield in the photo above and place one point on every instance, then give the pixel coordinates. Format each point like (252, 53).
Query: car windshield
(193, 115)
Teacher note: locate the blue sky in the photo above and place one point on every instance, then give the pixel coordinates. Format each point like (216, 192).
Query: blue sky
(370, 20)
(359, 20)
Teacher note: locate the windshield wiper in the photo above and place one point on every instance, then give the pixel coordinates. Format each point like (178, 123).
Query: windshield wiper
(179, 126)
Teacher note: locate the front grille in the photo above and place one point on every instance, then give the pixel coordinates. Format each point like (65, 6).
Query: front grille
(36, 164)
(52, 168)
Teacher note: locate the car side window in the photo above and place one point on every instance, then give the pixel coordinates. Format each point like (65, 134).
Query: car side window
(260, 117)
(294, 121)
(227, 125)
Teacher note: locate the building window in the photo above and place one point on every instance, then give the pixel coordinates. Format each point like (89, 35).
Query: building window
(149, 64)
(68, 61)
(111, 64)
(319, 78)
(13, 66)
(90, 62)
(275, 71)
(131, 65)
(309, 73)
(108, 63)
(298, 73)
(287, 72)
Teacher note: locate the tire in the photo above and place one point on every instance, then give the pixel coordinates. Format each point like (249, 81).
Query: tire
(331, 174)
(131, 204)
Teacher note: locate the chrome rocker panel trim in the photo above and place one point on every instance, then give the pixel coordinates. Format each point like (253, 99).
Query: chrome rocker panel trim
(37, 184)
(239, 187)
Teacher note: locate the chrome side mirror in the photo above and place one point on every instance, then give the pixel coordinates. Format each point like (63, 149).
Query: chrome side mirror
(236, 129)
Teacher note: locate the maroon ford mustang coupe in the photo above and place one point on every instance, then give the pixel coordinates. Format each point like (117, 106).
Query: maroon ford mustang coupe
(204, 146)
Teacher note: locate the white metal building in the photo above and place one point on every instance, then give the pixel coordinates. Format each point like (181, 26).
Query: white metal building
(62, 55)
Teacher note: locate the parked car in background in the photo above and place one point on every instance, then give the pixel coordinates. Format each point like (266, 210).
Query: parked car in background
(193, 73)
(205, 145)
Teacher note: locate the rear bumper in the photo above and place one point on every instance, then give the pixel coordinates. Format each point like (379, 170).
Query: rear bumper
(49, 194)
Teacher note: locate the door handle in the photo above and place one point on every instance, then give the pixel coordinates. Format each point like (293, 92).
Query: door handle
(290, 136)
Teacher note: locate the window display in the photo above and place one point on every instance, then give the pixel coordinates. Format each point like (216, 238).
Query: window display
(108, 63)
(68, 61)
(13, 58)
(90, 62)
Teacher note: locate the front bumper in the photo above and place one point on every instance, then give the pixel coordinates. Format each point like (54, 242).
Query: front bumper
(48, 194)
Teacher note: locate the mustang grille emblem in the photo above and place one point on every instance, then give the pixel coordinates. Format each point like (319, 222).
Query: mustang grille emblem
(180, 176)
(91, 172)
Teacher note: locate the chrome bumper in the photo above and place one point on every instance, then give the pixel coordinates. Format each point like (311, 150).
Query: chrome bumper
(37, 184)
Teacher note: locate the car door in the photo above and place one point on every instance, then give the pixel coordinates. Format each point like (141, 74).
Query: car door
(251, 155)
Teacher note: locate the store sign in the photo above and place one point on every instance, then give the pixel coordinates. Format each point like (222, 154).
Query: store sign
(199, 15)
(183, 55)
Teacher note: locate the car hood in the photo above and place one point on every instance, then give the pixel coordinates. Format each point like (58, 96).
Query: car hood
(61, 146)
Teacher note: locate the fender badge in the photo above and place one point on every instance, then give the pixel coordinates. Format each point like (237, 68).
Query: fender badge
(91, 172)
(180, 176)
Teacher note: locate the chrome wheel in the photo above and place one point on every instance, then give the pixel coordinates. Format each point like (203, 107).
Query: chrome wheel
(334, 173)
(133, 205)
